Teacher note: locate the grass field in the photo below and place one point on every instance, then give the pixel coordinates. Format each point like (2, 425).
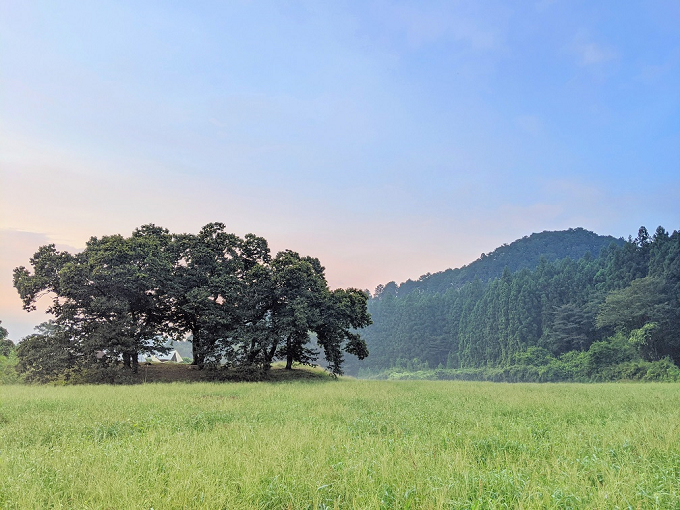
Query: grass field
(340, 444)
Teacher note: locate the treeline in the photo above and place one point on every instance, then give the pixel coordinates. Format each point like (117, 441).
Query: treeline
(525, 253)
(124, 296)
(563, 320)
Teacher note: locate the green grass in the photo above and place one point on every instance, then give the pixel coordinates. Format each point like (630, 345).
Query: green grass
(340, 444)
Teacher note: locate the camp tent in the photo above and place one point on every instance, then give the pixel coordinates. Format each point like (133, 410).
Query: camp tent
(179, 352)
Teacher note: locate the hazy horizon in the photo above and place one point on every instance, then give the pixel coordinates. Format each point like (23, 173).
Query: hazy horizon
(388, 139)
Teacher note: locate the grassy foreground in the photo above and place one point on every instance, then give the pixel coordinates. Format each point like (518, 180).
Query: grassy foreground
(340, 444)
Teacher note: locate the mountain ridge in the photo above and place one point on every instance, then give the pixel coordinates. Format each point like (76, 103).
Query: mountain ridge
(523, 253)
(500, 312)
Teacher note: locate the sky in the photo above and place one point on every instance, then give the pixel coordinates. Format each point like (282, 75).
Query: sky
(388, 139)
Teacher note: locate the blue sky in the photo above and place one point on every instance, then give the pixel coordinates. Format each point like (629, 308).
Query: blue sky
(389, 139)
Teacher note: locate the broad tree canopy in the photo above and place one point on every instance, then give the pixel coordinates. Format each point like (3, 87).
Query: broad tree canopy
(123, 296)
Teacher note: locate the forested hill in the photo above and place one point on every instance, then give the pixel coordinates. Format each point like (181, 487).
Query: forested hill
(546, 317)
(523, 253)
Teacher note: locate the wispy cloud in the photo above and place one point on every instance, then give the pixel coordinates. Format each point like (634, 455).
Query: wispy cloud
(657, 72)
(589, 52)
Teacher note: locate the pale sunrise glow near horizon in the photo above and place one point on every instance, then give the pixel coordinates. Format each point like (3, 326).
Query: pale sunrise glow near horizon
(388, 139)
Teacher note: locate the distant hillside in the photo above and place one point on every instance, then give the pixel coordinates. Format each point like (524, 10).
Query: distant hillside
(524, 253)
(548, 308)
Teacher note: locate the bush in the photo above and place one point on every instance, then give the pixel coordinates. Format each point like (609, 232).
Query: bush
(662, 370)
(6, 346)
(611, 360)
(613, 351)
(535, 356)
(575, 365)
(8, 369)
(46, 358)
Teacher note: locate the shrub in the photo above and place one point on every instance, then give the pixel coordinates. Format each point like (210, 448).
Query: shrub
(44, 357)
(613, 351)
(8, 369)
(6, 346)
(662, 370)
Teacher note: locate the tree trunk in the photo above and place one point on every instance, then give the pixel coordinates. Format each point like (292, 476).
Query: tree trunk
(196, 350)
(252, 353)
(270, 355)
(289, 353)
(126, 360)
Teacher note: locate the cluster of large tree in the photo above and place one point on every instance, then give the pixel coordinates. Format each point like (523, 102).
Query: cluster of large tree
(122, 296)
(631, 289)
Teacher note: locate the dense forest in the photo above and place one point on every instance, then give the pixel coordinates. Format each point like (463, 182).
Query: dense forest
(601, 309)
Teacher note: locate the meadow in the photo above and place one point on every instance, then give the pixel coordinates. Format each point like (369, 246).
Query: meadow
(340, 444)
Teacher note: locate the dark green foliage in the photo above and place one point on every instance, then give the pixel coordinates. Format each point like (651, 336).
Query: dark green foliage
(6, 345)
(572, 328)
(108, 298)
(613, 351)
(342, 313)
(525, 253)
(122, 297)
(8, 371)
(567, 318)
(48, 355)
(206, 282)
(8, 358)
(644, 300)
